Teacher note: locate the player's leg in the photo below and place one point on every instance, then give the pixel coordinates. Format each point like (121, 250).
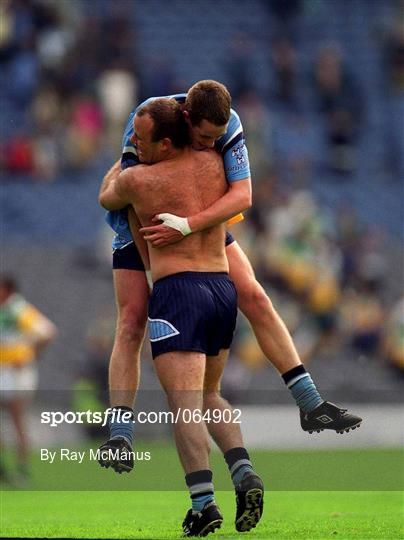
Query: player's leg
(131, 295)
(4, 475)
(18, 383)
(270, 331)
(181, 374)
(277, 345)
(227, 435)
(17, 407)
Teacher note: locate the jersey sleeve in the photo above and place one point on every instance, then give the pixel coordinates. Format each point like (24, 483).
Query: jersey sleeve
(129, 153)
(234, 151)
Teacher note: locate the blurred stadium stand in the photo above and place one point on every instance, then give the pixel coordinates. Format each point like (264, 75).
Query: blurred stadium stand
(72, 70)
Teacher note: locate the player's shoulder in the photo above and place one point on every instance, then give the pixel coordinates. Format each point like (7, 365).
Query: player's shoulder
(233, 134)
(234, 116)
(129, 176)
(234, 123)
(208, 160)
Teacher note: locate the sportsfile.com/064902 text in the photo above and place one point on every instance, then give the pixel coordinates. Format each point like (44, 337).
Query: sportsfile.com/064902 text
(187, 416)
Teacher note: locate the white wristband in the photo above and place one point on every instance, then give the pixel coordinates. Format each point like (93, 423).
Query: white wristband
(175, 222)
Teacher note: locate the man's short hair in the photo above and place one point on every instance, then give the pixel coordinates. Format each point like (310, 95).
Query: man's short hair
(168, 121)
(208, 100)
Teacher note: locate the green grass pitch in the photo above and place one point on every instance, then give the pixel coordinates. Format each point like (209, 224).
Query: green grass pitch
(150, 514)
(116, 507)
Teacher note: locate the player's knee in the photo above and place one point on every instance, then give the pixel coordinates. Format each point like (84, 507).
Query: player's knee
(131, 327)
(254, 302)
(210, 399)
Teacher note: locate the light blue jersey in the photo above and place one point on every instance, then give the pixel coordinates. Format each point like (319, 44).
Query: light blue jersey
(231, 145)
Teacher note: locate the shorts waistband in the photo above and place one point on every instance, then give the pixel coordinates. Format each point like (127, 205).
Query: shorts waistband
(200, 275)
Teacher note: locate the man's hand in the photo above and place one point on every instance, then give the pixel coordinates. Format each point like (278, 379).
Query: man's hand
(171, 230)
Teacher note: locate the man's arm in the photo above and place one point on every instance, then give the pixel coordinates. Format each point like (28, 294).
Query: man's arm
(37, 328)
(111, 175)
(114, 193)
(237, 199)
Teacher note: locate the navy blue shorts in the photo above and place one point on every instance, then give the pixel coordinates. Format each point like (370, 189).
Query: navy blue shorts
(128, 257)
(229, 239)
(192, 311)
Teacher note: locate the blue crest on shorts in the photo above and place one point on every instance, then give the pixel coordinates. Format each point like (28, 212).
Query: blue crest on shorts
(160, 329)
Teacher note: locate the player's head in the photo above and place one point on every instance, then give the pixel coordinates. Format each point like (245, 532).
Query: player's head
(159, 127)
(8, 287)
(207, 112)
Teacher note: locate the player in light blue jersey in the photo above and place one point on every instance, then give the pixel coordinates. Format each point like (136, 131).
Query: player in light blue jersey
(212, 123)
(235, 159)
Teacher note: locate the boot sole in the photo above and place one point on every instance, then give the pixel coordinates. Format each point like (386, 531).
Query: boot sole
(252, 513)
(343, 430)
(211, 527)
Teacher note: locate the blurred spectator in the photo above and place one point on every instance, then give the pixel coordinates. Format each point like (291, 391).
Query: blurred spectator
(237, 66)
(117, 84)
(339, 100)
(286, 13)
(47, 110)
(393, 62)
(161, 77)
(394, 57)
(55, 38)
(118, 37)
(25, 332)
(257, 126)
(90, 388)
(84, 131)
(362, 318)
(19, 155)
(284, 60)
(394, 336)
(7, 44)
(293, 148)
(372, 264)
(263, 194)
(117, 90)
(17, 28)
(23, 74)
(348, 232)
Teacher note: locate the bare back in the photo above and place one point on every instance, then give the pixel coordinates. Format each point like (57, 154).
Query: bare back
(183, 186)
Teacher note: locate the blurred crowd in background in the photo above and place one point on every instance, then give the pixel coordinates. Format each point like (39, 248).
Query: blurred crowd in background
(317, 121)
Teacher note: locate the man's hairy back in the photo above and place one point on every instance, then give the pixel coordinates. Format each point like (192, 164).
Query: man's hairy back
(183, 186)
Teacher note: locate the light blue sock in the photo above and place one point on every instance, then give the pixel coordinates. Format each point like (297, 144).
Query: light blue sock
(200, 501)
(201, 488)
(119, 427)
(305, 393)
(241, 471)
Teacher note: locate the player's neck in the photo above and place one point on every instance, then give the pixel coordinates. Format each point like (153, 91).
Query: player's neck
(174, 153)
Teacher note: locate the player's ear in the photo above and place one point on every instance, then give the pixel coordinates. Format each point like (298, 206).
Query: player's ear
(186, 116)
(166, 143)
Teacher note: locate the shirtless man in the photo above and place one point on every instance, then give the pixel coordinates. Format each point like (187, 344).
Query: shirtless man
(192, 308)
(211, 124)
